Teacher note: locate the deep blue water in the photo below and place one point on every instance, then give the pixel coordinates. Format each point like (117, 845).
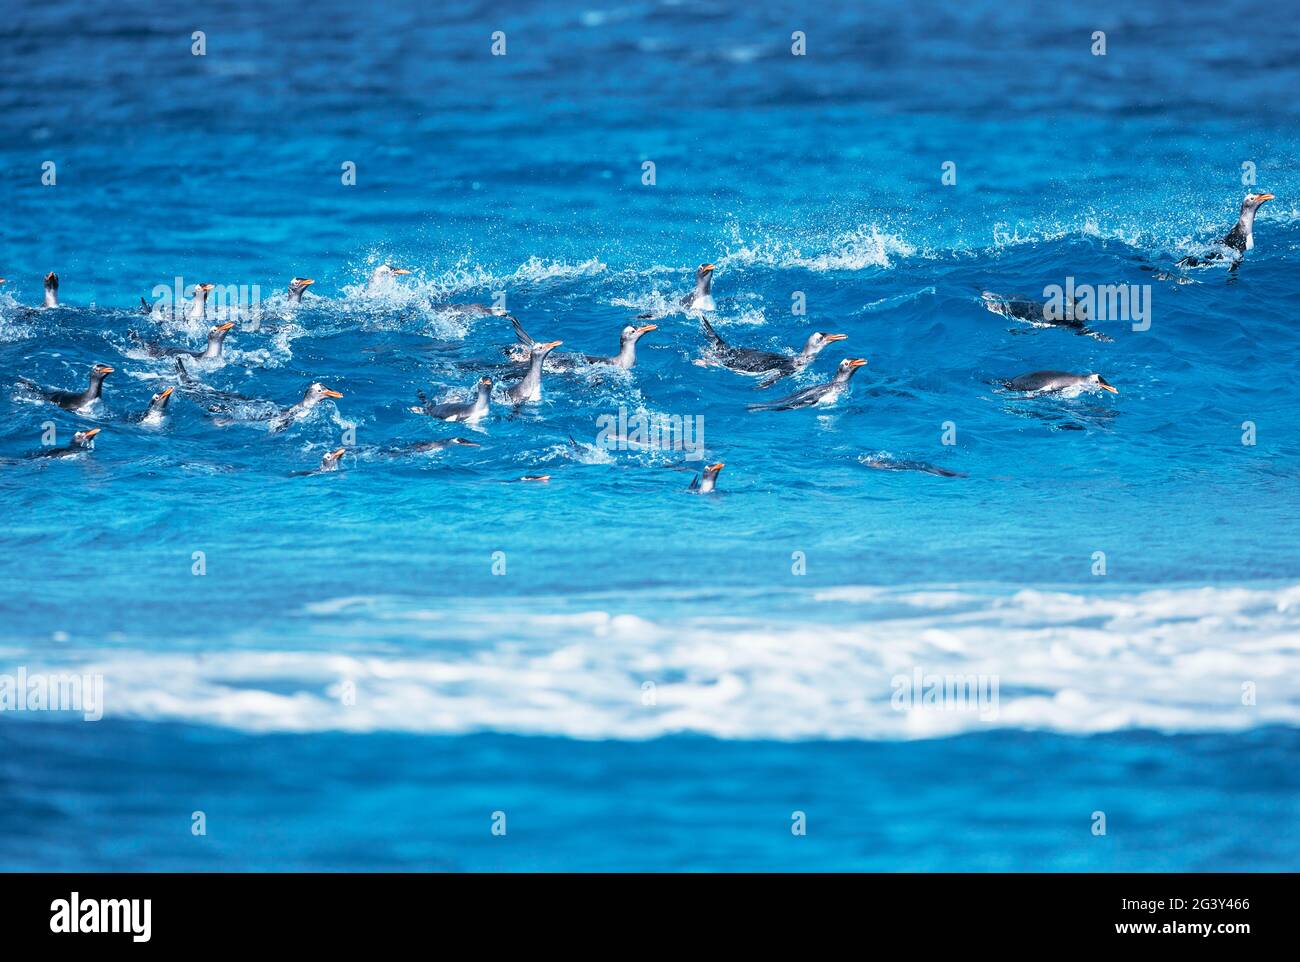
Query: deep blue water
(526, 691)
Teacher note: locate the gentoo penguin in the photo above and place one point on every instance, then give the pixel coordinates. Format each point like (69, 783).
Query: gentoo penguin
(82, 442)
(529, 387)
(470, 412)
(71, 400)
(625, 358)
(316, 392)
(216, 337)
(157, 409)
(297, 286)
(330, 461)
(705, 483)
(1239, 240)
(897, 464)
(51, 289)
(701, 299)
(765, 364)
(426, 447)
(382, 278)
(1050, 382)
(1041, 314)
(827, 393)
(199, 306)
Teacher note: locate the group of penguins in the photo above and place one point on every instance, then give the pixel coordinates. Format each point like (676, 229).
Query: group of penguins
(533, 357)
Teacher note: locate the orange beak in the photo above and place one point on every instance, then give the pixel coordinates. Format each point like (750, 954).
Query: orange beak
(92, 432)
(329, 393)
(837, 337)
(1263, 197)
(337, 454)
(226, 326)
(537, 477)
(550, 344)
(857, 361)
(207, 288)
(707, 267)
(306, 282)
(1111, 388)
(166, 393)
(645, 328)
(400, 270)
(715, 467)
(105, 368)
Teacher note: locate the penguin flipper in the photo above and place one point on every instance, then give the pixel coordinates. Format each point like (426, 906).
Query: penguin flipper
(710, 333)
(767, 381)
(521, 335)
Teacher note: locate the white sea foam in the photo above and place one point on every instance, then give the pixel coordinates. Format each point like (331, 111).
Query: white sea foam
(1173, 659)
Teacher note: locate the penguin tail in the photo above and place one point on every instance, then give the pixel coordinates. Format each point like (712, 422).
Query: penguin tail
(710, 333)
(521, 335)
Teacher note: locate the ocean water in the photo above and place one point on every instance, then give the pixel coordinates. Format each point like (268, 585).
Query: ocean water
(376, 660)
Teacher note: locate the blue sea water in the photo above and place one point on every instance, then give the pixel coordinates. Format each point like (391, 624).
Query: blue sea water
(376, 660)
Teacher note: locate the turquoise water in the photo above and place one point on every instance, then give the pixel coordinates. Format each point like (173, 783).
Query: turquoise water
(426, 640)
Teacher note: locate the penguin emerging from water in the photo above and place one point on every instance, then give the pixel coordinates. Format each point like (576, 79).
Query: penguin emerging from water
(824, 394)
(625, 358)
(157, 410)
(382, 278)
(330, 460)
(1239, 240)
(71, 400)
(51, 289)
(468, 412)
(529, 387)
(768, 365)
(83, 442)
(427, 447)
(198, 309)
(316, 392)
(707, 481)
(1041, 314)
(297, 286)
(216, 338)
(1054, 382)
(701, 299)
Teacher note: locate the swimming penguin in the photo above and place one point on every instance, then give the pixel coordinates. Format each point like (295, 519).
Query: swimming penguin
(765, 364)
(70, 400)
(330, 461)
(1050, 382)
(701, 299)
(82, 442)
(316, 392)
(470, 412)
(896, 464)
(216, 338)
(157, 409)
(826, 394)
(1239, 240)
(529, 387)
(705, 483)
(297, 286)
(1042, 314)
(382, 278)
(426, 447)
(199, 306)
(625, 358)
(51, 289)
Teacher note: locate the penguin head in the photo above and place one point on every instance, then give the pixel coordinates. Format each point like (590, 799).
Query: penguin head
(849, 365)
(485, 383)
(300, 284)
(159, 401)
(819, 339)
(202, 291)
(631, 333)
(711, 470)
(704, 276)
(1254, 200)
(331, 459)
(1102, 383)
(51, 281)
(386, 272)
(100, 371)
(541, 350)
(465, 441)
(218, 332)
(85, 439)
(317, 392)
